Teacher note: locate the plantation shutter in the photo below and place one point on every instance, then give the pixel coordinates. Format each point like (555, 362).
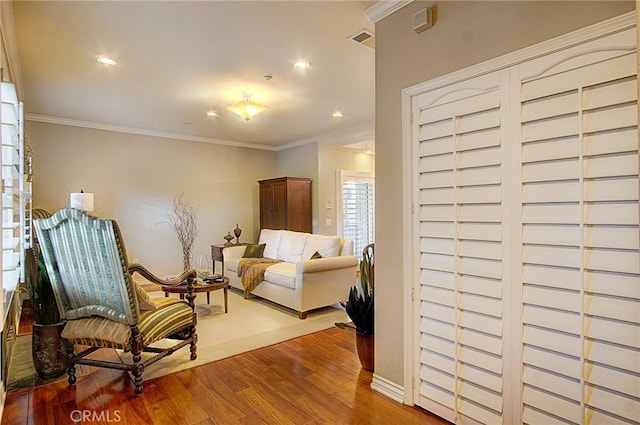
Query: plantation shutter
(529, 241)
(460, 149)
(580, 240)
(358, 208)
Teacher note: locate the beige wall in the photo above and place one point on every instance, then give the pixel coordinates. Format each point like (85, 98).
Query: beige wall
(319, 161)
(333, 157)
(465, 33)
(135, 178)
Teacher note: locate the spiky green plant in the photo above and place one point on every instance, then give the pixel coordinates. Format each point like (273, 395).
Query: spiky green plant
(359, 306)
(43, 302)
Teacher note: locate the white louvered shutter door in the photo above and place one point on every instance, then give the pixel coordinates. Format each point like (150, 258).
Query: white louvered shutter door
(529, 268)
(460, 152)
(580, 262)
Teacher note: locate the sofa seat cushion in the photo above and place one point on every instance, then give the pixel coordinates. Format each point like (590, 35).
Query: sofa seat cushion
(283, 274)
(326, 246)
(291, 246)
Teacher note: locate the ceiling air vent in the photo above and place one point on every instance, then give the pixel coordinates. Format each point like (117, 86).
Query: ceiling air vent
(364, 37)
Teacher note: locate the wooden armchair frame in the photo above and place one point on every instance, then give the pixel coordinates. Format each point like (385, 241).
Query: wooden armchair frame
(86, 298)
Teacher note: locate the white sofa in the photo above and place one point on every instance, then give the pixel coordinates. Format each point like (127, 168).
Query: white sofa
(298, 282)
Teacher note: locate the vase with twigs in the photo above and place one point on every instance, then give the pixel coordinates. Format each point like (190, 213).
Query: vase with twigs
(185, 223)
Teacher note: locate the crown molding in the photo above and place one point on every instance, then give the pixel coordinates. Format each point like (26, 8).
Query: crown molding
(384, 8)
(359, 133)
(145, 132)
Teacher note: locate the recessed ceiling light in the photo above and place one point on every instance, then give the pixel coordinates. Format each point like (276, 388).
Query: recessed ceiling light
(337, 114)
(212, 114)
(105, 60)
(301, 64)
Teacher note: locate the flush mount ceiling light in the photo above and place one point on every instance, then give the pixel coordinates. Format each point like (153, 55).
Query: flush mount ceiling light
(337, 114)
(105, 60)
(301, 64)
(246, 109)
(212, 114)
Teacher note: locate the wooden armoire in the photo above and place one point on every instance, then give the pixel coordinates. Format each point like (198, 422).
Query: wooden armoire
(285, 203)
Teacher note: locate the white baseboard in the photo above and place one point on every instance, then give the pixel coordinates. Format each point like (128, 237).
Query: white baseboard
(388, 388)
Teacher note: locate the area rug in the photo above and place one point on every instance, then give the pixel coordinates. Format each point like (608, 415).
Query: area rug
(250, 324)
(22, 374)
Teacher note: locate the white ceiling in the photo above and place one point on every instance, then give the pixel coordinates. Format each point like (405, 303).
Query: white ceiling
(176, 60)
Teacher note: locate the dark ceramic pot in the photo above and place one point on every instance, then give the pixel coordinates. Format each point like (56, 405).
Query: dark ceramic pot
(364, 344)
(49, 350)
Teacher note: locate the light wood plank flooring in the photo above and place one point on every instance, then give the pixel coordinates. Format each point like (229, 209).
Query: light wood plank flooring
(314, 379)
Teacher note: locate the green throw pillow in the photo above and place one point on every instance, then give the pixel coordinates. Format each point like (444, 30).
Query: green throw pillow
(254, 251)
(315, 256)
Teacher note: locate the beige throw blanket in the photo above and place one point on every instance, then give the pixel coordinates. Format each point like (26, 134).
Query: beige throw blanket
(251, 271)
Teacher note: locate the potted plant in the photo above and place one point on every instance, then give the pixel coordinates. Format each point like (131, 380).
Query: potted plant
(48, 348)
(359, 307)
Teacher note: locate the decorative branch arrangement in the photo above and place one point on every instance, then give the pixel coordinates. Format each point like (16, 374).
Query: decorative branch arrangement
(184, 222)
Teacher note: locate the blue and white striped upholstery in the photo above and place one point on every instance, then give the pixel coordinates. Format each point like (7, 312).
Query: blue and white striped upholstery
(86, 262)
(91, 278)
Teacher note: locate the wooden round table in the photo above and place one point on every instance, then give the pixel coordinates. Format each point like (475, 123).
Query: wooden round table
(207, 287)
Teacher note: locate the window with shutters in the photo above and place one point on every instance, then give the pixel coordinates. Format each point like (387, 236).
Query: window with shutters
(357, 213)
(527, 224)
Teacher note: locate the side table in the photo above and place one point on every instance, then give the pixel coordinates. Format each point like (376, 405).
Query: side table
(217, 254)
(207, 287)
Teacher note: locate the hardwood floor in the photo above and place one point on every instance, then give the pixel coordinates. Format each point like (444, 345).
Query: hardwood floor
(314, 379)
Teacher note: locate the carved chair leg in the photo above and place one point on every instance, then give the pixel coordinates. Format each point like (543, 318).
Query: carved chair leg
(136, 351)
(71, 370)
(194, 341)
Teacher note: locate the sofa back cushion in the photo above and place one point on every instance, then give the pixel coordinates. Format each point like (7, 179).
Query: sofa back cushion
(272, 240)
(291, 246)
(326, 246)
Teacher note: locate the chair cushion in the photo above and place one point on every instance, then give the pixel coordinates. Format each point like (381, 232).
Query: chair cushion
(169, 316)
(283, 274)
(326, 246)
(291, 246)
(272, 239)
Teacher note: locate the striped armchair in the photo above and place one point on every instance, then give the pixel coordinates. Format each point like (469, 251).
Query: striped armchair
(100, 303)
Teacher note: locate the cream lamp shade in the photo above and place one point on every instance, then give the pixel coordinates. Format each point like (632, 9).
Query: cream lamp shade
(81, 201)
